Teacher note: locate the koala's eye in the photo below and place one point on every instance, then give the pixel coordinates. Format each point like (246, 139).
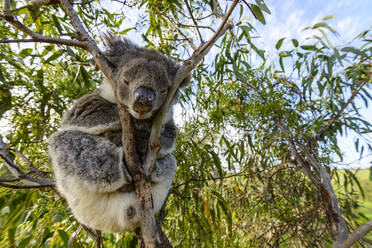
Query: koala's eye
(164, 91)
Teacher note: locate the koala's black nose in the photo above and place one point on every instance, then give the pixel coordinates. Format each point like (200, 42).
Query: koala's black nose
(143, 100)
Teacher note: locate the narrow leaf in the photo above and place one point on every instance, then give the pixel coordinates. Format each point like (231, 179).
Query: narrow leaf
(258, 13)
(279, 43)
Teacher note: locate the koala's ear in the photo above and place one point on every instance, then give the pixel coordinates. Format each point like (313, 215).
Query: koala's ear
(117, 47)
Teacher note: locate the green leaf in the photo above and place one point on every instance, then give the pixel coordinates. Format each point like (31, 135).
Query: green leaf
(309, 47)
(54, 56)
(246, 30)
(295, 42)
(64, 237)
(57, 24)
(5, 99)
(262, 5)
(356, 180)
(133, 242)
(126, 30)
(324, 25)
(24, 242)
(279, 43)
(40, 79)
(217, 162)
(2, 78)
(281, 63)
(330, 63)
(46, 235)
(283, 54)
(259, 52)
(328, 17)
(354, 50)
(25, 52)
(86, 77)
(258, 13)
(11, 236)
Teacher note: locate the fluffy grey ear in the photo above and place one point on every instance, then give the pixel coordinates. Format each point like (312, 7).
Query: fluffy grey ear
(117, 47)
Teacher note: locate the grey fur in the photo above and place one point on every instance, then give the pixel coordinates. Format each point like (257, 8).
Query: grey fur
(86, 152)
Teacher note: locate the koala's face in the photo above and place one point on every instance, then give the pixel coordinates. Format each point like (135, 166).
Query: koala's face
(142, 86)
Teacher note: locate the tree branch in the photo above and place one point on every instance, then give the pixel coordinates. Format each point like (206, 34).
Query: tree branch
(11, 180)
(31, 182)
(149, 224)
(357, 235)
(32, 167)
(36, 36)
(193, 26)
(19, 41)
(182, 73)
(12, 186)
(220, 31)
(354, 93)
(337, 223)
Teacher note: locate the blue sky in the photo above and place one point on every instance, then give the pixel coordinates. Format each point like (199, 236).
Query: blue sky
(288, 18)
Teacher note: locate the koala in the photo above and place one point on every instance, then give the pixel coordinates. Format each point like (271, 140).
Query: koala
(86, 152)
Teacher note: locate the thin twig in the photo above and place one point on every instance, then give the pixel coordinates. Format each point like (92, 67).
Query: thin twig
(239, 174)
(194, 21)
(29, 163)
(339, 113)
(193, 26)
(163, 213)
(90, 233)
(197, 18)
(12, 186)
(18, 173)
(175, 26)
(224, 26)
(11, 180)
(215, 12)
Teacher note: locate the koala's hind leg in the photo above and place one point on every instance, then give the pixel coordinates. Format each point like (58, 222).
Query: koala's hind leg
(95, 161)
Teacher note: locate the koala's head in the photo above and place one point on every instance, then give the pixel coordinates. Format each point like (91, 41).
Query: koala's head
(142, 76)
